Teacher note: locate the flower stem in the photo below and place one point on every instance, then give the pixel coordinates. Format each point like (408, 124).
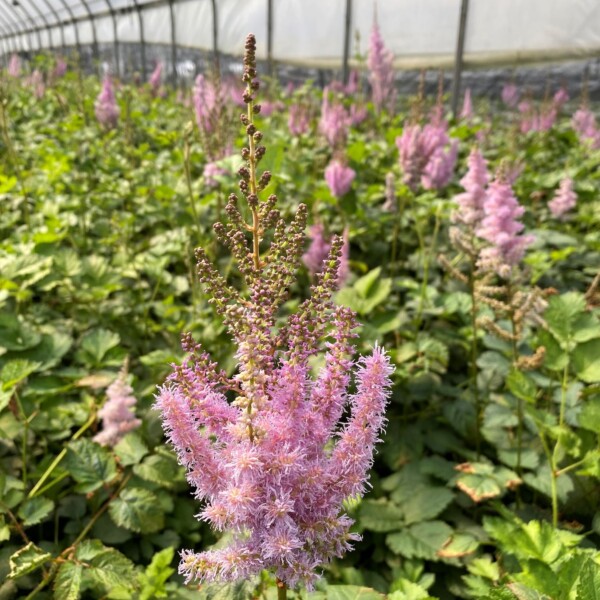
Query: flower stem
(281, 590)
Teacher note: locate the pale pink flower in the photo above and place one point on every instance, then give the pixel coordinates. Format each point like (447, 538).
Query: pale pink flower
(564, 200)
(510, 95)
(106, 107)
(14, 66)
(380, 61)
(467, 108)
(339, 178)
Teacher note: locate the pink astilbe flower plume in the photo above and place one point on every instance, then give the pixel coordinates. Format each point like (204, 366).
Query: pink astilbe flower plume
(106, 107)
(501, 228)
(14, 66)
(274, 464)
(339, 178)
(564, 200)
(380, 61)
(584, 123)
(466, 114)
(470, 210)
(155, 80)
(335, 121)
(118, 417)
(510, 95)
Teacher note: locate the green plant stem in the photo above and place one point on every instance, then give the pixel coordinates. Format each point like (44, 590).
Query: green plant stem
(67, 551)
(553, 482)
(188, 180)
(281, 590)
(474, 370)
(426, 263)
(36, 488)
(554, 472)
(520, 417)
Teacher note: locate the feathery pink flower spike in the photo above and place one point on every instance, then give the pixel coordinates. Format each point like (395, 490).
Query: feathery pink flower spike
(564, 200)
(470, 210)
(155, 80)
(274, 465)
(339, 178)
(466, 114)
(14, 66)
(501, 228)
(380, 61)
(106, 107)
(117, 415)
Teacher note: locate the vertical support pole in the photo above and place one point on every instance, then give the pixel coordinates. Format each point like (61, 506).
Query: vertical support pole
(458, 58)
(216, 37)
(270, 36)
(113, 17)
(347, 28)
(173, 43)
(59, 23)
(138, 10)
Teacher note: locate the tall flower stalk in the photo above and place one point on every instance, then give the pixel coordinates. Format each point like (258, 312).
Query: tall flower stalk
(274, 465)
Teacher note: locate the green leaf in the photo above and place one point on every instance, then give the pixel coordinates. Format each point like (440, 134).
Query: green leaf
(67, 582)
(157, 573)
(408, 590)
(589, 583)
(586, 361)
(422, 540)
(26, 560)
(4, 529)
(136, 509)
(352, 592)
(521, 385)
(459, 545)
(589, 417)
(481, 481)
(96, 343)
(160, 469)
(131, 449)
(426, 503)
(239, 590)
(380, 515)
(35, 510)
(90, 465)
(15, 371)
(105, 566)
(562, 314)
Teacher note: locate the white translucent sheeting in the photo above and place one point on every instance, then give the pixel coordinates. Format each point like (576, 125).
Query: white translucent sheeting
(55, 33)
(86, 32)
(194, 22)
(70, 38)
(104, 30)
(420, 33)
(128, 28)
(157, 25)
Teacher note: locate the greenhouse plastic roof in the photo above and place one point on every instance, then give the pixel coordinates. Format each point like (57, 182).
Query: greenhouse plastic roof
(419, 32)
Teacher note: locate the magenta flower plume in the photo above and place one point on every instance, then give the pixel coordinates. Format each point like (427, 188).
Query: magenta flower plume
(299, 119)
(466, 114)
(584, 123)
(500, 227)
(211, 171)
(206, 104)
(60, 69)
(427, 155)
(273, 451)
(510, 95)
(470, 210)
(561, 97)
(339, 178)
(564, 200)
(117, 415)
(335, 121)
(106, 108)
(155, 80)
(14, 66)
(36, 81)
(380, 61)
(318, 250)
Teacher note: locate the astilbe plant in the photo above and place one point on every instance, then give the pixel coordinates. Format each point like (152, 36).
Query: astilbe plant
(564, 200)
(380, 61)
(274, 465)
(106, 107)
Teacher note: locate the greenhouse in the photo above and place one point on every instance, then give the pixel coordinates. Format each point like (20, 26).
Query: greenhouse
(300, 299)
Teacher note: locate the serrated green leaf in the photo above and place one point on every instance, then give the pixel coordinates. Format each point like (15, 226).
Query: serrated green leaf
(426, 503)
(15, 371)
(589, 583)
(157, 573)
(561, 315)
(136, 509)
(131, 449)
(239, 590)
(35, 510)
(90, 465)
(105, 566)
(26, 560)
(422, 540)
(586, 361)
(96, 343)
(163, 470)
(352, 592)
(589, 417)
(67, 583)
(521, 385)
(379, 515)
